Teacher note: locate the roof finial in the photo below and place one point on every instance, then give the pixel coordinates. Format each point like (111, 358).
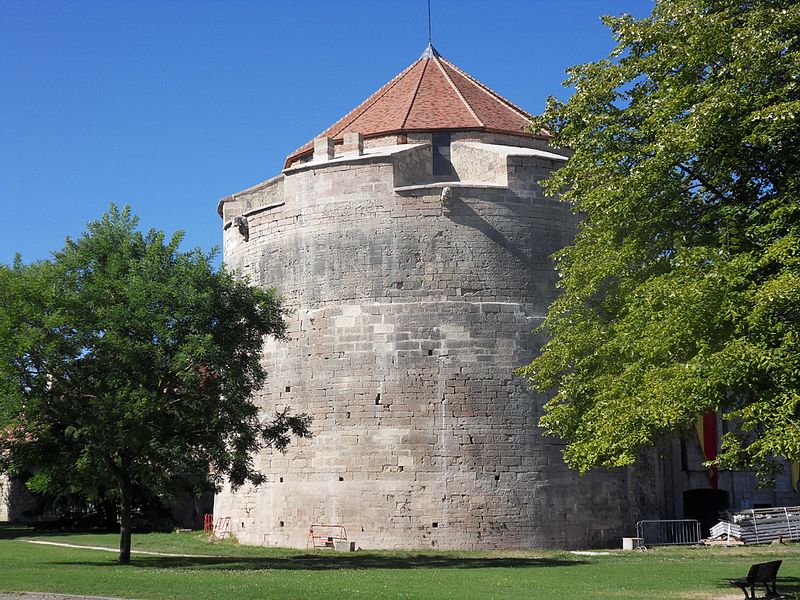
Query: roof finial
(430, 51)
(430, 37)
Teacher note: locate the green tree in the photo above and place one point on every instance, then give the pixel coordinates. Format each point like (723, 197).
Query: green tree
(125, 362)
(681, 292)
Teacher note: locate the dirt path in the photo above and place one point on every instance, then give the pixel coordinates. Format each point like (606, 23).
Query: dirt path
(49, 596)
(52, 596)
(114, 550)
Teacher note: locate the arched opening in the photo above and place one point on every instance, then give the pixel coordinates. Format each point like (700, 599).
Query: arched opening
(704, 505)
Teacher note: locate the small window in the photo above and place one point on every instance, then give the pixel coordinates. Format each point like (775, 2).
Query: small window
(441, 154)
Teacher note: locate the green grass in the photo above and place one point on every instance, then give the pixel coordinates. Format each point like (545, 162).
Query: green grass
(232, 572)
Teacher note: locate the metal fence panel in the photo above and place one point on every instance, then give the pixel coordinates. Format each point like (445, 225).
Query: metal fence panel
(681, 532)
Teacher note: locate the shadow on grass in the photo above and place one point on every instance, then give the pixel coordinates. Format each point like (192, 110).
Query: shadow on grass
(788, 587)
(14, 531)
(316, 562)
(301, 562)
(8, 532)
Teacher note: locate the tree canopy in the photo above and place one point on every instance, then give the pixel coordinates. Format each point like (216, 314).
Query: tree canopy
(125, 362)
(681, 292)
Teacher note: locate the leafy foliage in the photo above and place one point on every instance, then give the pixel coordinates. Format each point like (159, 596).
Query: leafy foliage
(125, 362)
(681, 292)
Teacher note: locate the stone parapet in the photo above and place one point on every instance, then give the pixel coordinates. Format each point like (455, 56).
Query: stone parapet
(323, 149)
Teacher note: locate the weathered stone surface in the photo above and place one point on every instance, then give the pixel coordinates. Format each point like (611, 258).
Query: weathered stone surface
(353, 143)
(323, 148)
(4, 498)
(17, 504)
(407, 321)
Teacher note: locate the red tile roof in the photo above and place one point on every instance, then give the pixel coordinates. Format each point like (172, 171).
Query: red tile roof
(431, 94)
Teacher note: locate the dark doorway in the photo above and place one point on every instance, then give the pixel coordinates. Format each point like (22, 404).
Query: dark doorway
(704, 505)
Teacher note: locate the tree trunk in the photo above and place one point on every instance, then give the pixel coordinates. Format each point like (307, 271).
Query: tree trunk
(125, 523)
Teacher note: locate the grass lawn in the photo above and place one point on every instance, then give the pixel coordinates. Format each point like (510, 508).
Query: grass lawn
(230, 572)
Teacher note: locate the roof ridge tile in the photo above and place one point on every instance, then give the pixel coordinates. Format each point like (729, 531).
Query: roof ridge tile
(488, 90)
(416, 91)
(438, 60)
(446, 98)
(377, 94)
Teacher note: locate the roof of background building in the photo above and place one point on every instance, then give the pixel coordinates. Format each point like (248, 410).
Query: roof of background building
(431, 94)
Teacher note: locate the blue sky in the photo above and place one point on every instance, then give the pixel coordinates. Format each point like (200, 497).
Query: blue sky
(169, 105)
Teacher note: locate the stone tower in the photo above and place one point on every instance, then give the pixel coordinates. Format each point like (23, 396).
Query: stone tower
(411, 242)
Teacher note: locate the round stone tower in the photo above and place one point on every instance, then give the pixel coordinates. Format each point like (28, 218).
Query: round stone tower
(411, 244)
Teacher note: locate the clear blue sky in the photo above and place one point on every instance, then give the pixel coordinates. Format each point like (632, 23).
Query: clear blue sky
(169, 105)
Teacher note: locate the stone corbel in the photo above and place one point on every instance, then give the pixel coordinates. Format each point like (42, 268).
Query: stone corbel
(244, 228)
(447, 200)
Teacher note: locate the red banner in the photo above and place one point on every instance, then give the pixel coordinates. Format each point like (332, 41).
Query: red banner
(706, 427)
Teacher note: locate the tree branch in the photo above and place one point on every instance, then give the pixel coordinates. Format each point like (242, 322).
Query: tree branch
(694, 175)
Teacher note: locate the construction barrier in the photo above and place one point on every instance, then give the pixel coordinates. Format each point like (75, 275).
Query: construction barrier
(680, 532)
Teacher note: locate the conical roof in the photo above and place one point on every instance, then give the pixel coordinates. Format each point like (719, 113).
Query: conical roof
(431, 94)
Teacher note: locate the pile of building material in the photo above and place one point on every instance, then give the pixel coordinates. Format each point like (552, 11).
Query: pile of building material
(725, 533)
(758, 526)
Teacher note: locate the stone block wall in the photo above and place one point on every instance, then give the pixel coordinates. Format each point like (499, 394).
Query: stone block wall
(407, 321)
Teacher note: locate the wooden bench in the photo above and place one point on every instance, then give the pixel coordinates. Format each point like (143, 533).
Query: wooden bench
(765, 573)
